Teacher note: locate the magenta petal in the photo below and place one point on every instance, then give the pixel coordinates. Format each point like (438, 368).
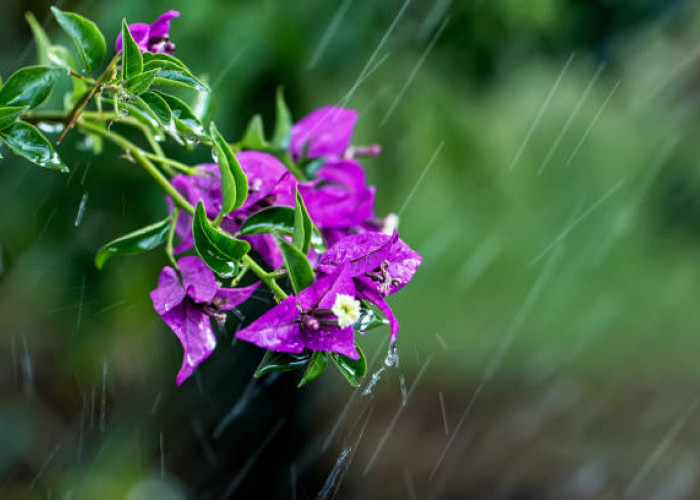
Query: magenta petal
(322, 294)
(334, 339)
(140, 33)
(345, 173)
(403, 264)
(228, 298)
(197, 279)
(339, 197)
(193, 329)
(264, 173)
(363, 252)
(204, 187)
(277, 330)
(169, 293)
(378, 300)
(326, 131)
(161, 26)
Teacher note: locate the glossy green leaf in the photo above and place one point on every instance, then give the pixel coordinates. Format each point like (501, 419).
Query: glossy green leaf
(283, 124)
(159, 107)
(352, 369)
(161, 111)
(273, 362)
(140, 111)
(369, 320)
(142, 240)
(170, 73)
(132, 60)
(29, 86)
(234, 190)
(203, 106)
(142, 82)
(185, 120)
(153, 56)
(25, 140)
(254, 137)
(220, 251)
(277, 220)
(301, 275)
(41, 39)
(271, 220)
(9, 114)
(303, 227)
(62, 57)
(317, 365)
(228, 185)
(88, 40)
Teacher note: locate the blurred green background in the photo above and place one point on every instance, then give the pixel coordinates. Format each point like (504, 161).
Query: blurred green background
(543, 158)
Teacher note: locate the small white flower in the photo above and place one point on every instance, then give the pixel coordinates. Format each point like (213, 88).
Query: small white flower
(347, 309)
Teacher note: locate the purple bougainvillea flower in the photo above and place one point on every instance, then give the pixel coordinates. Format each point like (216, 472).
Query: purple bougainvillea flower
(339, 200)
(319, 318)
(325, 132)
(269, 183)
(379, 264)
(153, 37)
(187, 301)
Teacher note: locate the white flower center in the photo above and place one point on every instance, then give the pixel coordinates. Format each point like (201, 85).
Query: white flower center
(347, 309)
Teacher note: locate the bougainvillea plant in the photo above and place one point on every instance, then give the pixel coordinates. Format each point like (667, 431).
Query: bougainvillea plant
(291, 216)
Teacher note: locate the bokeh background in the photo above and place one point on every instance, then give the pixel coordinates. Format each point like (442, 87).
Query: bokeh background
(543, 156)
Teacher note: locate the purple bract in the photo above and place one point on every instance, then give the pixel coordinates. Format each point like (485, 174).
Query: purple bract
(153, 37)
(186, 302)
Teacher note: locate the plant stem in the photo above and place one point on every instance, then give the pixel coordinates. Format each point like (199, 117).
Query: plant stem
(171, 236)
(138, 155)
(75, 115)
(264, 277)
(163, 160)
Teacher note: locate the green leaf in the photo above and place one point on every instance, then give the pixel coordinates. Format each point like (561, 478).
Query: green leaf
(301, 275)
(272, 220)
(153, 56)
(25, 140)
(283, 124)
(352, 369)
(369, 320)
(220, 251)
(303, 227)
(142, 82)
(88, 40)
(234, 183)
(171, 73)
(161, 111)
(273, 362)
(9, 114)
(203, 106)
(41, 39)
(317, 365)
(62, 57)
(139, 241)
(254, 137)
(185, 120)
(277, 220)
(228, 185)
(29, 86)
(132, 60)
(142, 113)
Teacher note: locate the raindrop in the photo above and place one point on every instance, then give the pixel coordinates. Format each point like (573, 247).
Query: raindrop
(81, 209)
(50, 128)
